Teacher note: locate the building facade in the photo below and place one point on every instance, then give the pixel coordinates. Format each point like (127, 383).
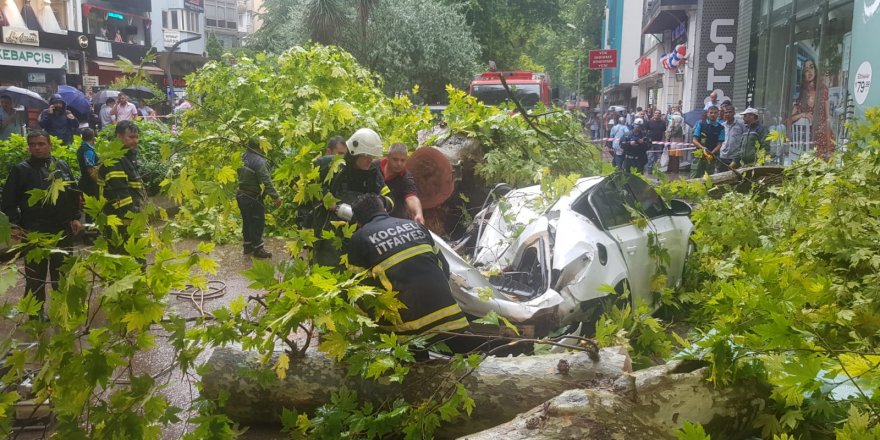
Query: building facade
(620, 19)
(799, 73)
(180, 20)
(231, 21)
(42, 46)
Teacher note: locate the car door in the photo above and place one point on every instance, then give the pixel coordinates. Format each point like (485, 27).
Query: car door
(609, 201)
(672, 235)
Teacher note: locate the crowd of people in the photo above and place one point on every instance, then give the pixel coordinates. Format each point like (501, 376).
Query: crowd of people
(721, 140)
(59, 121)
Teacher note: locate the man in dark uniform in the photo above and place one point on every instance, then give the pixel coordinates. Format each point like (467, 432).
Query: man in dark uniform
(708, 134)
(62, 217)
(121, 183)
(401, 183)
(402, 256)
(254, 184)
(358, 175)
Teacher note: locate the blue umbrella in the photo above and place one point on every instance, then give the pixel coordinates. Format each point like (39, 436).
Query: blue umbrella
(692, 117)
(76, 101)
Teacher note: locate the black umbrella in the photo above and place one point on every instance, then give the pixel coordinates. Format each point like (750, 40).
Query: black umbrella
(24, 97)
(692, 117)
(139, 92)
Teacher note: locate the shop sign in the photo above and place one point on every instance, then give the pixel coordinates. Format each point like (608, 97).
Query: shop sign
(644, 67)
(863, 82)
(603, 59)
(194, 5)
(21, 36)
(32, 57)
(34, 77)
(177, 82)
(718, 50)
(171, 37)
(90, 81)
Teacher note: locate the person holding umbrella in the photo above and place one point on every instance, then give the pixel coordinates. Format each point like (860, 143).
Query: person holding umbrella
(58, 121)
(8, 120)
(124, 110)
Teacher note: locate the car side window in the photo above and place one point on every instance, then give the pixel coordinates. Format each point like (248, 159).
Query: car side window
(648, 201)
(608, 200)
(582, 207)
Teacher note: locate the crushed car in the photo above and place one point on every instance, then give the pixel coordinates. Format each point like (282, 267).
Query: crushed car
(547, 265)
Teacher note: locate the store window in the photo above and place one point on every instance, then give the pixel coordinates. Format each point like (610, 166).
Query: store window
(801, 72)
(114, 26)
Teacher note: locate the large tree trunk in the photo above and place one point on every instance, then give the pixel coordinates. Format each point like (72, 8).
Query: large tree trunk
(649, 404)
(500, 387)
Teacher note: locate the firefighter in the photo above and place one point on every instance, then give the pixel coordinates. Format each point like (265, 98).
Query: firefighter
(358, 175)
(59, 217)
(402, 256)
(254, 184)
(121, 183)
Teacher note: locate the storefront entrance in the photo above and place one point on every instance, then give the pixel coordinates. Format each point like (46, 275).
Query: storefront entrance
(801, 72)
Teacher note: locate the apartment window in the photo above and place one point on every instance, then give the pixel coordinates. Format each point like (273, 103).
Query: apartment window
(181, 20)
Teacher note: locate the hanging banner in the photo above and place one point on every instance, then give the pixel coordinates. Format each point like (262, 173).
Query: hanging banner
(718, 29)
(864, 57)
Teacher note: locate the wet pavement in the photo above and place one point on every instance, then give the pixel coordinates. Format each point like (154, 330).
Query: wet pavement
(181, 390)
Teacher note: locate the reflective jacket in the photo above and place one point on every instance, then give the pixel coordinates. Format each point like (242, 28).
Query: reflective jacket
(38, 174)
(122, 186)
(402, 256)
(254, 178)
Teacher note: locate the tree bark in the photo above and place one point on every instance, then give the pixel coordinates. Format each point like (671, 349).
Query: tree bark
(501, 387)
(650, 403)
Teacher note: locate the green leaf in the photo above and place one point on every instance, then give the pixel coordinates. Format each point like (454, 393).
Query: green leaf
(334, 344)
(691, 431)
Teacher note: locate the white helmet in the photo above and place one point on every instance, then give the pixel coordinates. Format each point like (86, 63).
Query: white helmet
(365, 141)
(639, 121)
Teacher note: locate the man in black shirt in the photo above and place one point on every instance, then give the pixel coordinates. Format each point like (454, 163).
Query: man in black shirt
(656, 129)
(401, 183)
(254, 184)
(60, 217)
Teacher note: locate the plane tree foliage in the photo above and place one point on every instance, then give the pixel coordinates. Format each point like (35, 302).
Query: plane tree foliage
(784, 287)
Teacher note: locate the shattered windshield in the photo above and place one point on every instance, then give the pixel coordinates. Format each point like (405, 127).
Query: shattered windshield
(494, 94)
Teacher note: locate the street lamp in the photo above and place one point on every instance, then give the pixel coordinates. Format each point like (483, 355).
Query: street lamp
(168, 67)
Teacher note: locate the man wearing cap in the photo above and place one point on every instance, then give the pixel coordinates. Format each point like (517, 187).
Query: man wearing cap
(358, 175)
(733, 133)
(754, 138)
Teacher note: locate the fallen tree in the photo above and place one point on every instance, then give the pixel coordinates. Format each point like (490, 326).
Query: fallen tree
(650, 403)
(501, 387)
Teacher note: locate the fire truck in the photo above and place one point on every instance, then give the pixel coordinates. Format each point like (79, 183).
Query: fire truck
(530, 88)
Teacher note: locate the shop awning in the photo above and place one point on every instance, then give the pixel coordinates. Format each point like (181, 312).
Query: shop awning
(663, 15)
(110, 66)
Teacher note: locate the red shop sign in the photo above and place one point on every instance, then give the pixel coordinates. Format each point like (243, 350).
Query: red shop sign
(603, 59)
(644, 67)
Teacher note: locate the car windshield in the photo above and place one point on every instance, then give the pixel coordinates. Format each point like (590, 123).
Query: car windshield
(494, 94)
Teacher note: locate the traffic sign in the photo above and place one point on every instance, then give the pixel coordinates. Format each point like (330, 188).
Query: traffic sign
(603, 59)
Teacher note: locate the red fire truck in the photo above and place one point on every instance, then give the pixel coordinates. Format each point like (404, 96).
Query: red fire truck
(530, 88)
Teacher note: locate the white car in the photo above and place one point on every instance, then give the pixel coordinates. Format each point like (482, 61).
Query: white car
(545, 267)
